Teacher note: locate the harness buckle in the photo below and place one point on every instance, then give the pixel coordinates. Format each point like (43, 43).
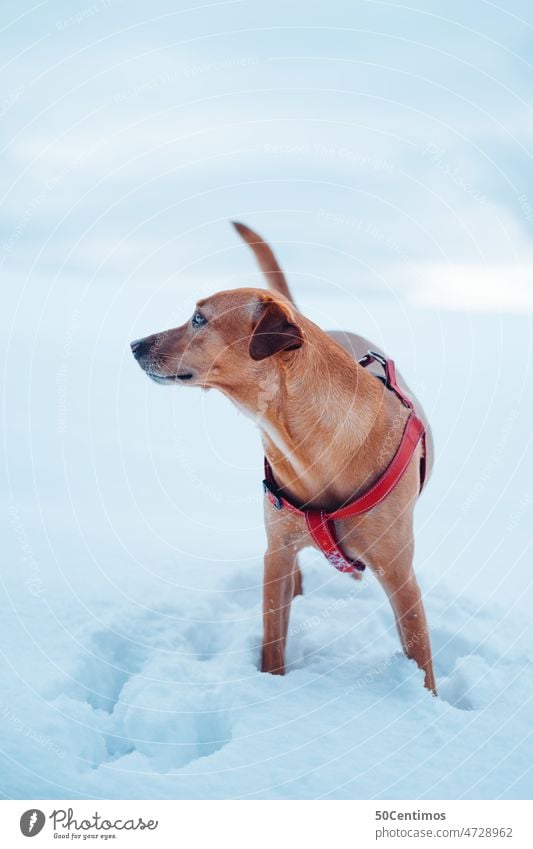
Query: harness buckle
(272, 494)
(379, 357)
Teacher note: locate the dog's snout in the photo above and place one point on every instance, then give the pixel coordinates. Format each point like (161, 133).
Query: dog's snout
(139, 347)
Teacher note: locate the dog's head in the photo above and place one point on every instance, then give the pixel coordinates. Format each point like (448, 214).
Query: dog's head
(223, 343)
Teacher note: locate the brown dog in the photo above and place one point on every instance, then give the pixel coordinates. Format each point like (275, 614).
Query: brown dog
(329, 430)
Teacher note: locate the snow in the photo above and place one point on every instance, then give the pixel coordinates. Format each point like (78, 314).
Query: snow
(131, 590)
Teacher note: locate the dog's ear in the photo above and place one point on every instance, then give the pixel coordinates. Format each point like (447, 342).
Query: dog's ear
(275, 331)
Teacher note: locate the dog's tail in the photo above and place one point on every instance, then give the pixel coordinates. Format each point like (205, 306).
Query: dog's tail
(266, 260)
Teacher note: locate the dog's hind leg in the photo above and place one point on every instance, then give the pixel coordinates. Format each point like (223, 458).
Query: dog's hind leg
(401, 586)
(298, 580)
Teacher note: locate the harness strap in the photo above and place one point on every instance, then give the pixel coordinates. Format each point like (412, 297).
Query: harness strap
(322, 530)
(320, 523)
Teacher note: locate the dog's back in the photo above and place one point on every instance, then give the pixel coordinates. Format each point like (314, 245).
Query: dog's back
(356, 346)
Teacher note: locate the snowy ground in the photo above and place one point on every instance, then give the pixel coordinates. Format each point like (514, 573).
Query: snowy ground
(131, 618)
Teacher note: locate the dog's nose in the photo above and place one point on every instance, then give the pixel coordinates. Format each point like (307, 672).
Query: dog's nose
(138, 347)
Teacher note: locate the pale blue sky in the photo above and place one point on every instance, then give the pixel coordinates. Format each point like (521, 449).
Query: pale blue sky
(379, 146)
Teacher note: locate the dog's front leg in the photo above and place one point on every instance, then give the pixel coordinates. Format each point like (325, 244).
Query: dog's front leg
(278, 591)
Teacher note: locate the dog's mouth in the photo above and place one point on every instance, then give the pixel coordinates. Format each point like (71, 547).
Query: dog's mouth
(170, 378)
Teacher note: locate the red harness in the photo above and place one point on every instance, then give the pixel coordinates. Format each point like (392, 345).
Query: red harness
(320, 523)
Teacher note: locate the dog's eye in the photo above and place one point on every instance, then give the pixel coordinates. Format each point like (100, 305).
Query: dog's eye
(198, 320)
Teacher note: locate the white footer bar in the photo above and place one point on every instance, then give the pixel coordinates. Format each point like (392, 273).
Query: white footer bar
(267, 824)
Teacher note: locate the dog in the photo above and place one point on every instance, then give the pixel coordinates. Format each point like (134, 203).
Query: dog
(330, 429)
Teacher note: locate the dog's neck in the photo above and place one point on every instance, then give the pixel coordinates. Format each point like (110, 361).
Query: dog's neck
(325, 423)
